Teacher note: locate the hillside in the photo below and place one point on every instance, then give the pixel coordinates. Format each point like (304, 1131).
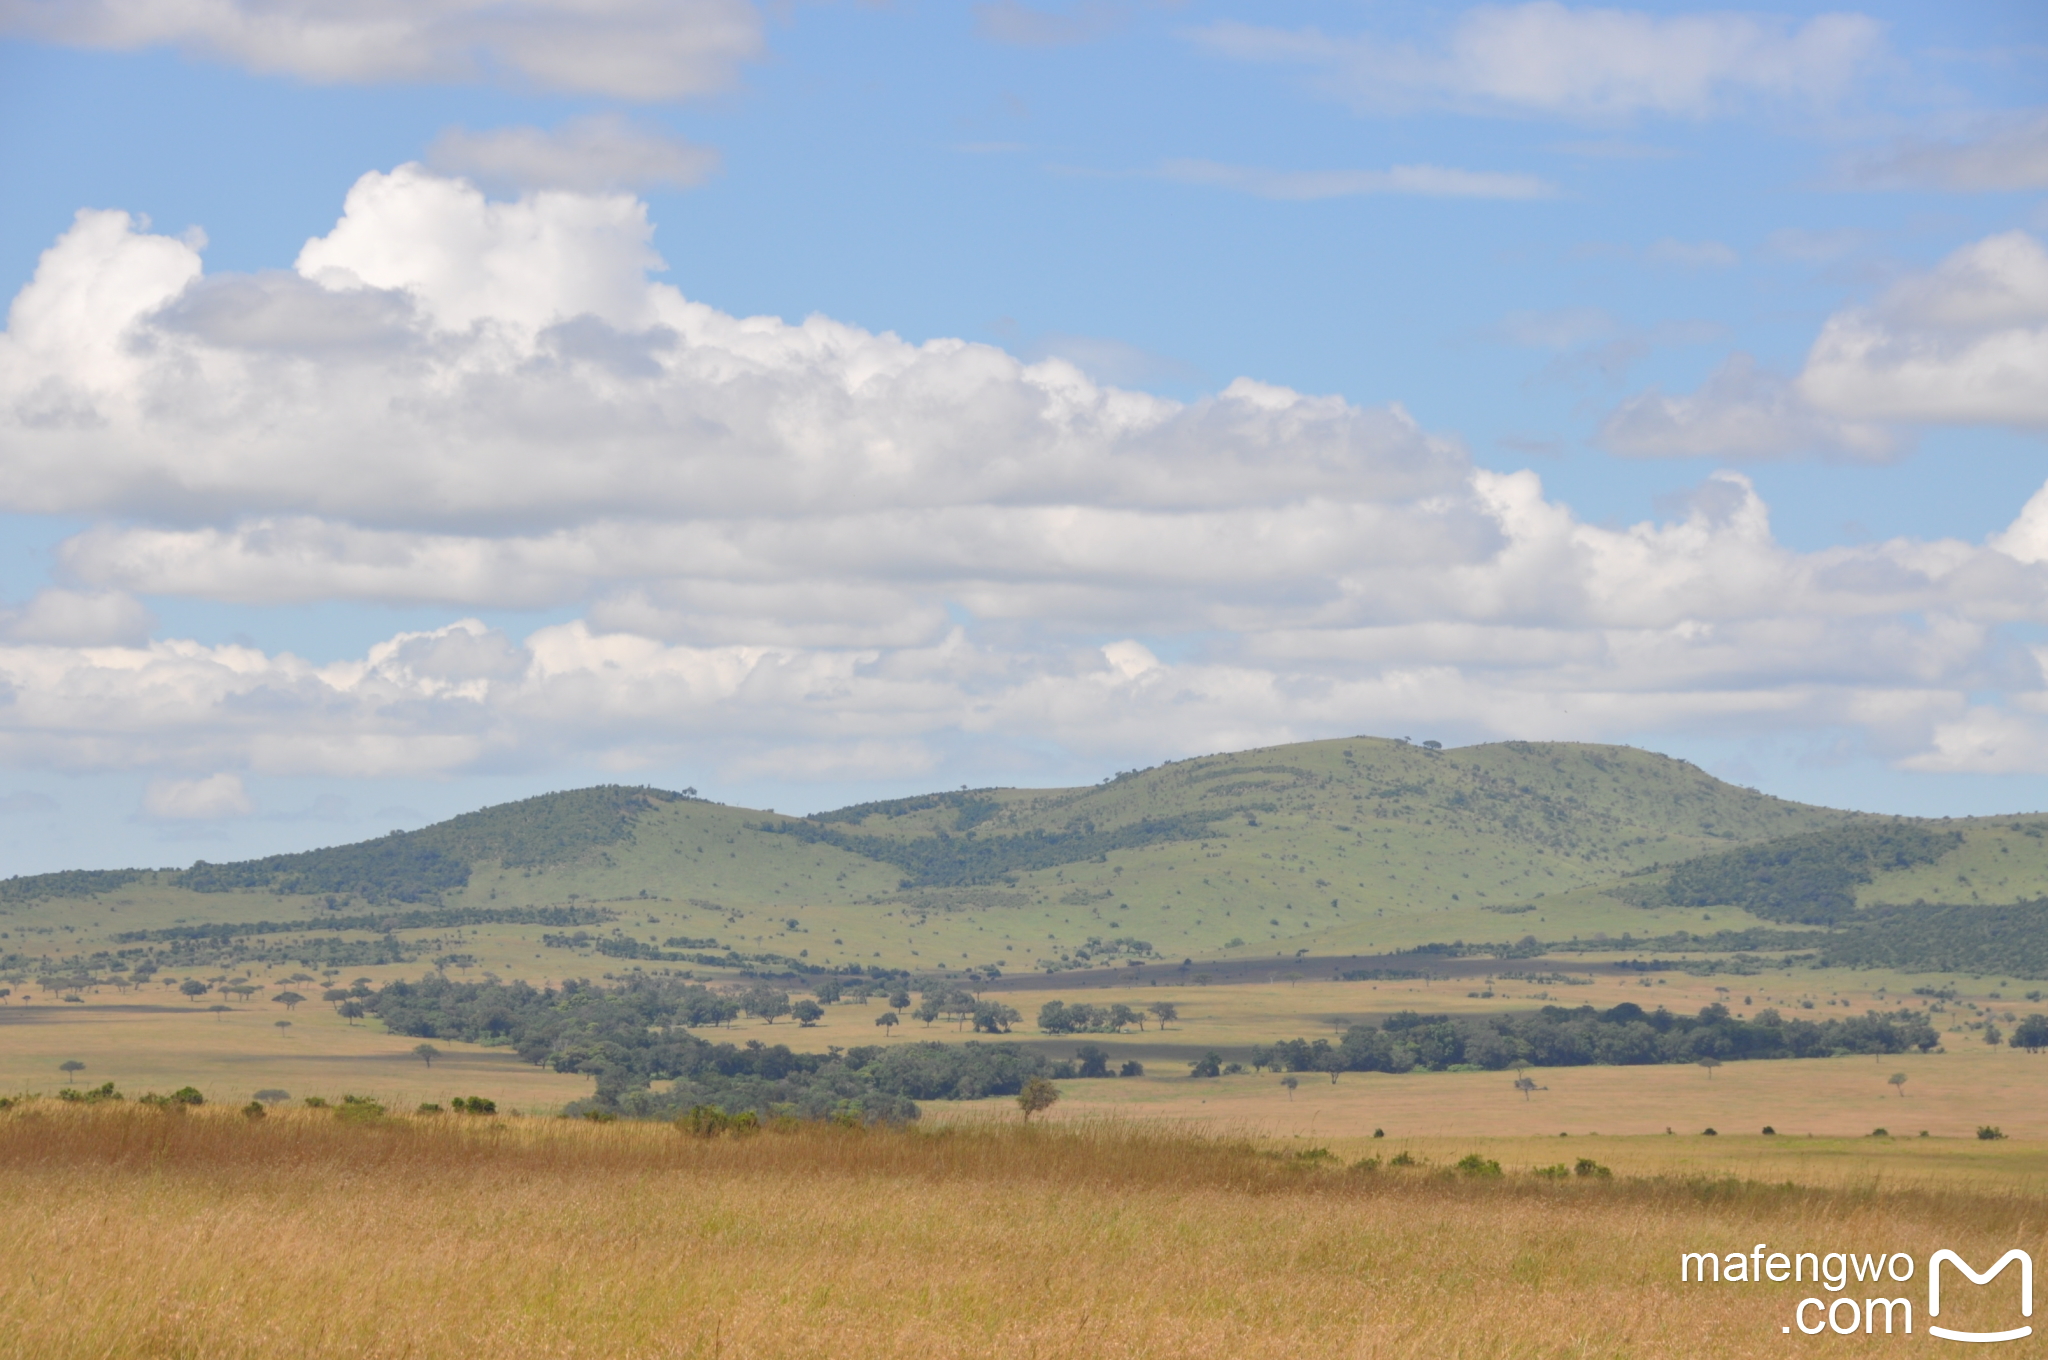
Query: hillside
(1351, 846)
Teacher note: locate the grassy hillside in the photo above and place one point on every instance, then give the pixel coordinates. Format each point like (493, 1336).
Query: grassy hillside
(1351, 846)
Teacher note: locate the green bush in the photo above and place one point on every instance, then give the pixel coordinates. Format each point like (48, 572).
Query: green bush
(1472, 1164)
(1588, 1167)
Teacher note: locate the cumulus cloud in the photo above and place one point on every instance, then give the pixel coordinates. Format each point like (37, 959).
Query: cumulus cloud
(1580, 63)
(600, 154)
(1964, 344)
(1422, 181)
(630, 49)
(196, 800)
(75, 618)
(810, 548)
(1741, 412)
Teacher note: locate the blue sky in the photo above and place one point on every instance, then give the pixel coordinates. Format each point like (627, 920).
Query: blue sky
(1123, 382)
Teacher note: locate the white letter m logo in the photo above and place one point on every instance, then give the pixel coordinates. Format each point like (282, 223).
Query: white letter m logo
(2026, 1293)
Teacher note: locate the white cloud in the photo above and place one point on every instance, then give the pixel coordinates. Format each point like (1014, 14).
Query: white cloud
(2007, 153)
(196, 800)
(1964, 344)
(72, 618)
(767, 532)
(1422, 181)
(1581, 63)
(629, 49)
(599, 154)
(1741, 412)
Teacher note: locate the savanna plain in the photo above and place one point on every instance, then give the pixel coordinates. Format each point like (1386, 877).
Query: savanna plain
(625, 1073)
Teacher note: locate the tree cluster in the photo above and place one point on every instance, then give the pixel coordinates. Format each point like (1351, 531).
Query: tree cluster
(1623, 1035)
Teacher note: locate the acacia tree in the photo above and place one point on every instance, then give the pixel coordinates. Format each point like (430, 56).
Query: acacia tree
(1037, 1096)
(1165, 1010)
(887, 1020)
(1710, 1064)
(289, 1000)
(70, 1065)
(1290, 1081)
(1898, 1079)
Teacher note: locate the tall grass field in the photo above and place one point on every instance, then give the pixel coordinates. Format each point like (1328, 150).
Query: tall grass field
(140, 1232)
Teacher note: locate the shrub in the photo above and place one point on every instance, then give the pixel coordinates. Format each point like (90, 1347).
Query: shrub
(1710, 1132)
(1132, 1068)
(1989, 1132)
(428, 1109)
(103, 1092)
(254, 1110)
(1555, 1172)
(474, 1105)
(1588, 1167)
(1403, 1158)
(1472, 1164)
(1880, 1133)
(1770, 1132)
(709, 1121)
(315, 1103)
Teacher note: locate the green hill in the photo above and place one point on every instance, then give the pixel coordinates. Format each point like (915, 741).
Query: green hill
(1353, 846)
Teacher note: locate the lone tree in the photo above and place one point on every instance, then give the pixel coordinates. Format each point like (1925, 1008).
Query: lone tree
(1898, 1079)
(288, 1000)
(350, 1011)
(807, 1013)
(1038, 1095)
(426, 1053)
(1710, 1064)
(70, 1065)
(194, 988)
(1166, 1011)
(888, 1021)
(1290, 1081)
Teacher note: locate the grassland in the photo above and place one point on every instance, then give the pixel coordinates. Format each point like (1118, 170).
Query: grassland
(140, 1234)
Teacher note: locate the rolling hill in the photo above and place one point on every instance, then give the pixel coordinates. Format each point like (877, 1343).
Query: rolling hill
(1345, 847)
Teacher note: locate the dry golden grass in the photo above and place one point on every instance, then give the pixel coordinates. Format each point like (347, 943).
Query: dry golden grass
(136, 1233)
